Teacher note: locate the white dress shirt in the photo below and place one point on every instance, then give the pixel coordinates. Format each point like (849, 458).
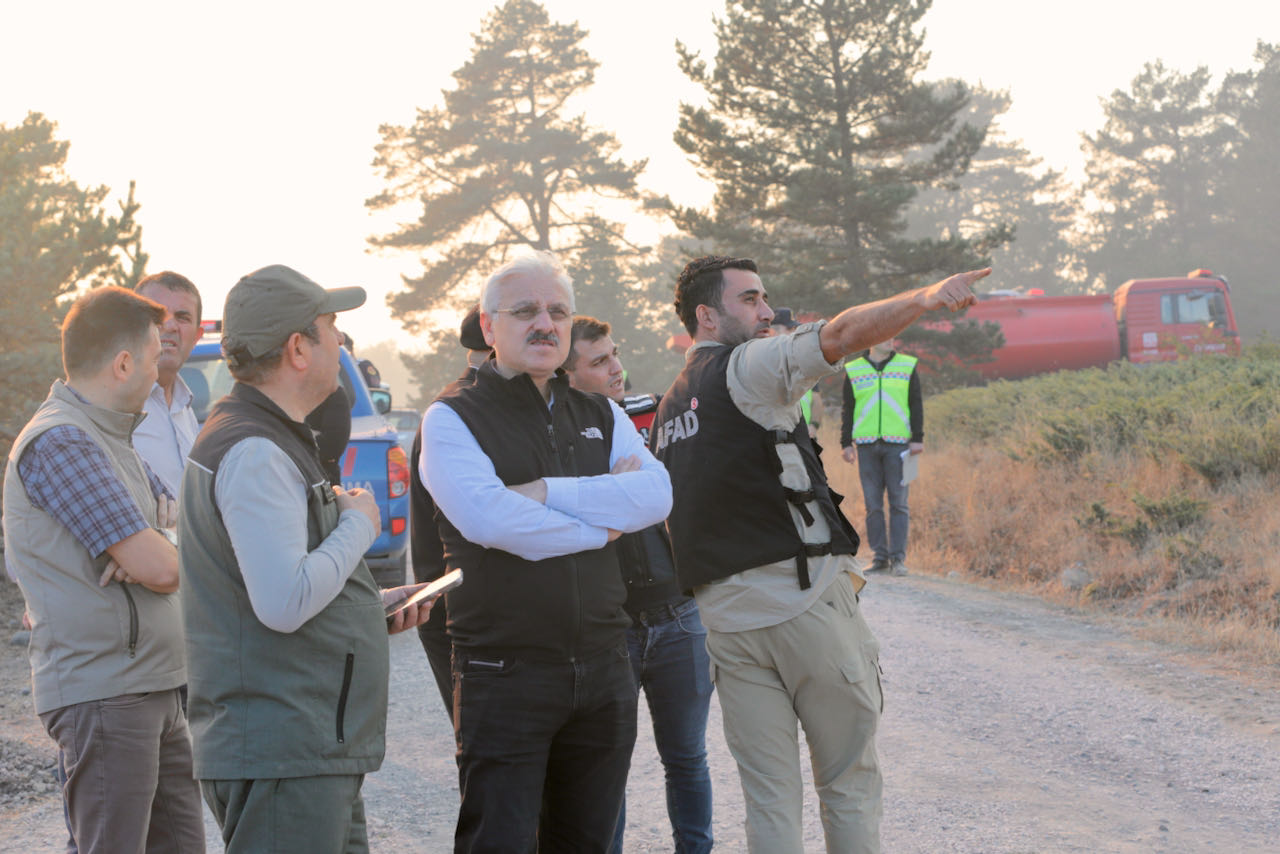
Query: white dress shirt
(578, 513)
(165, 436)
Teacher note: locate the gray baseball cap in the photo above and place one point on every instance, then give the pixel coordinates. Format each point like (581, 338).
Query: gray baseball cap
(267, 306)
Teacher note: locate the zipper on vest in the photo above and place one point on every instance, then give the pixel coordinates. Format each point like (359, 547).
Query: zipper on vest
(342, 697)
(133, 621)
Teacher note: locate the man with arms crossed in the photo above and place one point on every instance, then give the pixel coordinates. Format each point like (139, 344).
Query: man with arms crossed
(285, 628)
(666, 641)
(535, 481)
(758, 537)
(80, 517)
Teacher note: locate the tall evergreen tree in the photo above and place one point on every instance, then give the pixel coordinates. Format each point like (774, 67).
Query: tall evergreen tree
(818, 134)
(55, 237)
(1006, 186)
(1154, 171)
(503, 166)
(1248, 251)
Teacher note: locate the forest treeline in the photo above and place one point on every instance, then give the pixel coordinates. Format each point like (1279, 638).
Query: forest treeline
(836, 162)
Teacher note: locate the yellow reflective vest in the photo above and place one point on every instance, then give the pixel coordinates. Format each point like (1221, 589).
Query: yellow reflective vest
(880, 399)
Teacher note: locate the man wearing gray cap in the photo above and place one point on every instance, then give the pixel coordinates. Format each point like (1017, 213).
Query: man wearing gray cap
(285, 629)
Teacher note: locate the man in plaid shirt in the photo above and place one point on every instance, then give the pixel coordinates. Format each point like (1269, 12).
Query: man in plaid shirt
(88, 539)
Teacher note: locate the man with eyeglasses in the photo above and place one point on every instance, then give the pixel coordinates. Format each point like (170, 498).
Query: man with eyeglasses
(535, 481)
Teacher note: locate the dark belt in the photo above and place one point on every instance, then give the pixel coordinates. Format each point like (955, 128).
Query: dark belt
(656, 615)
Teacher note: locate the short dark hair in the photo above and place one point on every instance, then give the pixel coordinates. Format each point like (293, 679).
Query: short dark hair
(701, 282)
(174, 282)
(102, 322)
(585, 328)
(252, 370)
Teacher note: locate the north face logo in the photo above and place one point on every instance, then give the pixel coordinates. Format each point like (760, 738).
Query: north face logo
(593, 433)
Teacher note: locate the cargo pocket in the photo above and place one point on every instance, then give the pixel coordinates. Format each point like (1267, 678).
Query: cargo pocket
(864, 676)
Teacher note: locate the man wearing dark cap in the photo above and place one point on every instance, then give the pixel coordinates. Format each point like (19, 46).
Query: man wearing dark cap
(427, 549)
(285, 628)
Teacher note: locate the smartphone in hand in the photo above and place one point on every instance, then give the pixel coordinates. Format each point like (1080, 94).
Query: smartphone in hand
(425, 592)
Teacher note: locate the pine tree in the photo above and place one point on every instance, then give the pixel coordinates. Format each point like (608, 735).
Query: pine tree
(1247, 248)
(818, 135)
(55, 238)
(1154, 171)
(1006, 187)
(503, 166)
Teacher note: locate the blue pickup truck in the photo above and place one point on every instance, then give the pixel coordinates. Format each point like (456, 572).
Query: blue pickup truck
(373, 460)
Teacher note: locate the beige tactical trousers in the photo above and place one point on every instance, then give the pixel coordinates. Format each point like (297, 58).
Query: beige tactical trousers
(822, 669)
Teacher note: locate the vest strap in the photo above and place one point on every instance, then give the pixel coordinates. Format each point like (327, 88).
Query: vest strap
(783, 437)
(800, 499)
(802, 561)
(802, 569)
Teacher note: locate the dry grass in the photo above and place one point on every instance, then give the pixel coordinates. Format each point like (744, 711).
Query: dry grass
(1189, 559)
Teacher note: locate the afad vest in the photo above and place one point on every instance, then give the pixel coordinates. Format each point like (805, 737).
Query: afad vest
(881, 408)
(552, 609)
(267, 704)
(730, 511)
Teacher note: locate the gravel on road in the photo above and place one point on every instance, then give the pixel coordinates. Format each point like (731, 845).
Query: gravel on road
(1010, 726)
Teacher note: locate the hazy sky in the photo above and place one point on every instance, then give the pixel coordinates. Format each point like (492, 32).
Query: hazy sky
(249, 126)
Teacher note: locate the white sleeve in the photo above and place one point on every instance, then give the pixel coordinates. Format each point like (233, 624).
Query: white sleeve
(263, 501)
(462, 480)
(625, 502)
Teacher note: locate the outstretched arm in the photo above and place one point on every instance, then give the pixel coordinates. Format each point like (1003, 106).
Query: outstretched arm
(855, 329)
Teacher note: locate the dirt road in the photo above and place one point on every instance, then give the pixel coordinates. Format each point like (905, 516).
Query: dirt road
(1010, 726)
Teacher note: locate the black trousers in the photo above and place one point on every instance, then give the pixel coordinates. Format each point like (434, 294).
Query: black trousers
(543, 750)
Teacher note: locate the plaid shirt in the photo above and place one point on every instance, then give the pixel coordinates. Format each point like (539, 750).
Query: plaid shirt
(69, 477)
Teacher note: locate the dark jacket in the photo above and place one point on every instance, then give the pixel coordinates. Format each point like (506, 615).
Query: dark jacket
(647, 566)
(730, 510)
(424, 533)
(557, 608)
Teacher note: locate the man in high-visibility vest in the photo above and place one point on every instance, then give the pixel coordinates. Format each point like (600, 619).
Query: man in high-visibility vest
(881, 419)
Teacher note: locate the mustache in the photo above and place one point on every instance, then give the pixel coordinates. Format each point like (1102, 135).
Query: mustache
(542, 336)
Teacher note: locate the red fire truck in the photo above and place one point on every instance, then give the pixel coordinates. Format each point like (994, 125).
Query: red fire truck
(1145, 320)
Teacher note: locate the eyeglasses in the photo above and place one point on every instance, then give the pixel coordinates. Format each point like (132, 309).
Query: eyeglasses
(528, 311)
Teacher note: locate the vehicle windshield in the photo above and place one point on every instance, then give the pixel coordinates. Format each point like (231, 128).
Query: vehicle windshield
(1195, 307)
(405, 420)
(206, 374)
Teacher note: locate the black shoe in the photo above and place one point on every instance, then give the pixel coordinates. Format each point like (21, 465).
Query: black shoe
(897, 568)
(878, 567)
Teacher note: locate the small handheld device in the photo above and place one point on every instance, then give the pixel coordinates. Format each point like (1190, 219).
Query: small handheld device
(423, 592)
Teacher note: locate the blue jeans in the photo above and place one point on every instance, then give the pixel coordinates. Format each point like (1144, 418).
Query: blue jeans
(668, 649)
(880, 470)
(543, 750)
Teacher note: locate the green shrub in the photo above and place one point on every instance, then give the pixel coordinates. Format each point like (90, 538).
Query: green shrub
(1218, 416)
